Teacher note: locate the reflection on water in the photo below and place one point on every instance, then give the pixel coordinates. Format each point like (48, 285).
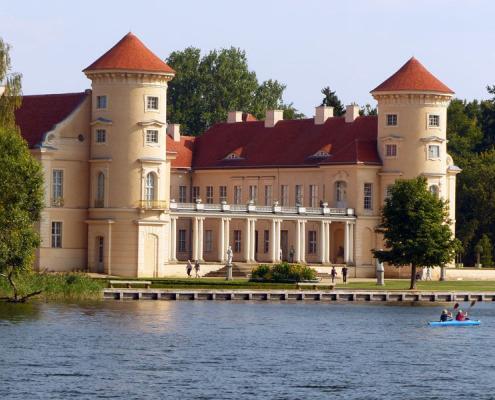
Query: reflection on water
(225, 350)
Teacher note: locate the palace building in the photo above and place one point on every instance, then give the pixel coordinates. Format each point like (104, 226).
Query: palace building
(127, 194)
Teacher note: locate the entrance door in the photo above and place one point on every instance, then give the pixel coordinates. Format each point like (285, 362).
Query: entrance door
(151, 256)
(284, 244)
(100, 246)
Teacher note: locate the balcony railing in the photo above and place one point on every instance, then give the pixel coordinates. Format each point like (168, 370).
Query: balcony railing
(153, 204)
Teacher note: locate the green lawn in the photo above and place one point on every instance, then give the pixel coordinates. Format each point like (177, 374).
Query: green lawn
(403, 284)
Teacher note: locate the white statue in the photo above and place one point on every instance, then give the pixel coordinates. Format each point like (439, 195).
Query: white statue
(230, 255)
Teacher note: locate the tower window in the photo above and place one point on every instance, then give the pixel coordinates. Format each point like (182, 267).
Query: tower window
(100, 190)
(151, 136)
(434, 190)
(101, 102)
(152, 103)
(391, 150)
(149, 188)
(101, 136)
(391, 119)
(433, 152)
(57, 188)
(433, 120)
(368, 196)
(57, 235)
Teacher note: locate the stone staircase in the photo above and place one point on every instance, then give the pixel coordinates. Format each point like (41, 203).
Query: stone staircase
(238, 271)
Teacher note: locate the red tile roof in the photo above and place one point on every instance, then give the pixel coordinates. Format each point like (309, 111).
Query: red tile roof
(130, 54)
(413, 76)
(40, 113)
(289, 143)
(183, 150)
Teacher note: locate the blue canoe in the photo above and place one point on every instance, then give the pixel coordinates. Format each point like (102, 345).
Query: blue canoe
(470, 322)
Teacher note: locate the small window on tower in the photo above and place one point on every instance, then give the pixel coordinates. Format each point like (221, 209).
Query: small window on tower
(152, 103)
(101, 102)
(101, 136)
(433, 120)
(391, 119)
(433, 152)
(391, 150)
(151, 136)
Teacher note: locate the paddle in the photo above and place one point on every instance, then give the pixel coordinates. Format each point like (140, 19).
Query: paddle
(470, 306)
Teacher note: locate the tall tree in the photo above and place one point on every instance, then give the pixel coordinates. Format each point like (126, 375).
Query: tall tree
(206, 88)
(486, 251)
(330, 99)
(10, 87)
(415, 228)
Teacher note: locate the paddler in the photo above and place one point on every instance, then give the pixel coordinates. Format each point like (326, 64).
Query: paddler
(445, 316)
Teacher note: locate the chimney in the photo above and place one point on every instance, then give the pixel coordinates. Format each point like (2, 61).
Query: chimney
(272, 117)
(322, 113)
(234, 116)
(351, 112)
(173, 130)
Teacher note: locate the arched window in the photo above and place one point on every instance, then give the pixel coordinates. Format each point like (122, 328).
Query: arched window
(149, 189)
(100, 190)
(434, 190)
(341, 193)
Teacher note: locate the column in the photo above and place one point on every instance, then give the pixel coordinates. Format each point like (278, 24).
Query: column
(351, 242)
(346, 242)
(200, 239)
(247, 240)
(303, 241)
(173, 239)
(195, 239)
(221, 241)
(273, 240)
(226, 235)
(298, 241)
(329, 242)
(277, 241)
(253, 241)
(323, 242)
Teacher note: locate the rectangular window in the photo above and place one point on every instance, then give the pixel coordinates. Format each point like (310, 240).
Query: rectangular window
(391, 150)
(433, 151)
(101, 136)
(57, 235)
(237, 194)
(368, 196)
(266, 241)
(253, 193)
(268, 195)
(223, 193)
(151, 136)
(209, 194)
(182, 194)
(181, 242)
(237, 241)
(195, 193)
(313, 195)
(311, 242)
(57, 188)
(152, 103)
(433, 120)
(208, 241)
(391, 119)
(388, 191)
(284, 195)
(299, 195)
(101, 102)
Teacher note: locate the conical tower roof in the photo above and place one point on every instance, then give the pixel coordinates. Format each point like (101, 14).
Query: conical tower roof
(413, 77)
(130, 54)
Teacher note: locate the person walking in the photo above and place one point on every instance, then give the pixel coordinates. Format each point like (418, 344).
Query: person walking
(333, 273)
(189, 268)
(344, 274)
(428, 274)
(197, 267)
(291, 254)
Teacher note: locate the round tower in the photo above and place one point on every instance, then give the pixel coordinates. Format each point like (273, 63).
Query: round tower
(129, 171)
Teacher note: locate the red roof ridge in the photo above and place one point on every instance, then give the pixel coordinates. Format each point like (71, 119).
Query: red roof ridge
(54, 94)
(130, 54)
(413, 76)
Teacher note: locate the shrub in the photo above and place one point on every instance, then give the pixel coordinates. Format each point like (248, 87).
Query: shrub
(283, 272)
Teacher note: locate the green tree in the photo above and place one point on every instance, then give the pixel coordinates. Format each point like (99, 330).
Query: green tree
(10, 85)
(368, 110)
(206, 88)
(463, 132)
(330, 99)
(21, 201)
(486, 251)
(415, 228)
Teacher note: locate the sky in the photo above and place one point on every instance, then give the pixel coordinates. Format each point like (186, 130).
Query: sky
(351, 46)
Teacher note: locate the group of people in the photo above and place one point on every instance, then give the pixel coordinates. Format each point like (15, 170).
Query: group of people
(333, 274)
(189, 268)
(460, 316)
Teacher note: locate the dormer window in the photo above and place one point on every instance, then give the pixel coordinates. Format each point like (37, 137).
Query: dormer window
(433, 120)
(391, 119)
(151, 103)
(232, 156)
(101, 102)
(235, 155)
(323, 152)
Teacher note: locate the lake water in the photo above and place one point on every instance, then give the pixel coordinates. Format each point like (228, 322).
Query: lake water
(229, 350)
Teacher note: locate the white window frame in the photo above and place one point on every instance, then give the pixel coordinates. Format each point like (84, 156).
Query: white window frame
(388, 190)
(312, 245)
(237, 194)
(266, 241)
(284, 195)
(57, 192)
(237, 241)
(147, 99)
(368, 196)
(299, 195)
(268, 195)
(341, 191)
(209, 194)
(150, 186)
(100, 133)
(253, 193)
(182, 194)
(391, 146)
(434, 189)
(196, 193)
(99, 99)
(428, 150)
(429, 120)
(182, 241)
(387, 116)
(208, 241)
(56, 237)
(150, 135)
(313, 196)
(222, 190)
(100, 190)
